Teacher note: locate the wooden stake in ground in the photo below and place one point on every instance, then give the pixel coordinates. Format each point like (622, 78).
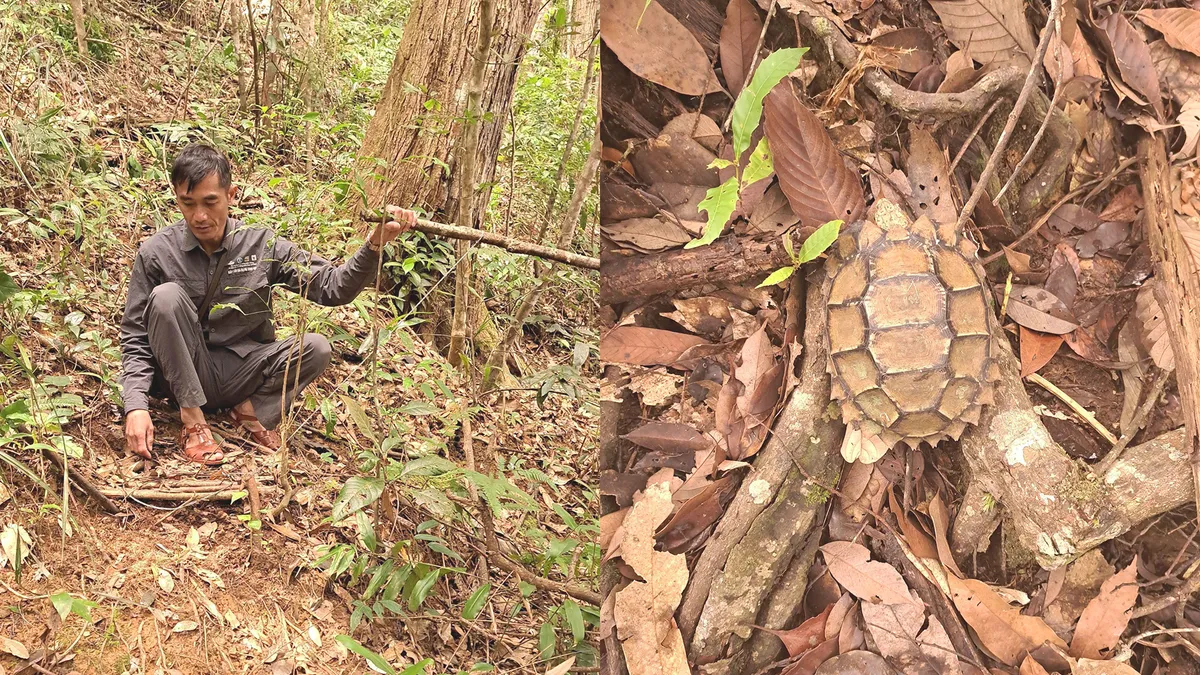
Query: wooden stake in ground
(583, 187)
(466, 199)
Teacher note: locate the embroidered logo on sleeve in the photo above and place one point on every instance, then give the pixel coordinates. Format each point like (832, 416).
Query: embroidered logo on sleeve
(242, 264)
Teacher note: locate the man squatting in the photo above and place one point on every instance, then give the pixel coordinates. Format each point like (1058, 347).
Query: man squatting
(229, 358)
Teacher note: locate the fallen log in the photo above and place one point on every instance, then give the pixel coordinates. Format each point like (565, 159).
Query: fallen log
(492, 239)
(727, 260)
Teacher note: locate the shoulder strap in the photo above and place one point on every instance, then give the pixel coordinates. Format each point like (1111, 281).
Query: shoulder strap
(212, 290)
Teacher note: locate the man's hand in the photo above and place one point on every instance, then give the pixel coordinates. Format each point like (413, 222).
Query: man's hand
(402, 221)
(139, 432)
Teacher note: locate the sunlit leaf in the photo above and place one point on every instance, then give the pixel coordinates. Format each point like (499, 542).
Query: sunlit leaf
(747, 110)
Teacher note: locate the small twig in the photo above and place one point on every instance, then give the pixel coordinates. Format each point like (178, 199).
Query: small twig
(989, 169)
(1074, 405)
(1098, 184)
(1041, 130)
(974, 132)
(1180, 594)
(1136, 424)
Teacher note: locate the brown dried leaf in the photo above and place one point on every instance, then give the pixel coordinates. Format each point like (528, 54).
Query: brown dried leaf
(1178, 71)
(1040, 310)
(1002, 629)
(1124, 205)
(1070, 217)
(1107, 615)
(1036, 350)
(813, 658)
(620, 202)
(1019, 263)
(1153, 328)
(681, 532)
(772, 213)
(1180, 26)
(739, 39)
(1030, 666)
(1062, 279)
(994, 31)
(856, 661)
(646, 234)
(920, 543)
(808, 635)
(928, 171)
(839, 612)
(622, 486)
(897, 632)
(645, 346)
(675, 157)
(656, 46)
(645, 609)
(698, 126)
(818, 185)
(906, 49)
(940, 514)
(1105, 237)
(668, 437)
(706, 314)
(1107, 667)
(1132, 55)
(758, 360)
(852, 567)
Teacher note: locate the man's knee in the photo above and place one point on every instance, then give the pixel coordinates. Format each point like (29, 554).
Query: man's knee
(167, 299)
(317, 352)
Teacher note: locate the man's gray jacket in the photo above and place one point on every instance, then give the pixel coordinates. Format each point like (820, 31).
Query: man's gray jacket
(258, 260)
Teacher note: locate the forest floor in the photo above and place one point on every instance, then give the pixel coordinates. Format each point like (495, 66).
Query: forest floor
(211, 582)
(815, 178)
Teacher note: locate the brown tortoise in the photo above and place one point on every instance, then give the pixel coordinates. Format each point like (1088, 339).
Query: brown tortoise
(910, 332)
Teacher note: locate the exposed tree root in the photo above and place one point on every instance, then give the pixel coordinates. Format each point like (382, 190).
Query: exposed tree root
(768, 521)
(1057, 507)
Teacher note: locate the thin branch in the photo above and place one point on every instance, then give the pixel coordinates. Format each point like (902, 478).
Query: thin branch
(1031, 79)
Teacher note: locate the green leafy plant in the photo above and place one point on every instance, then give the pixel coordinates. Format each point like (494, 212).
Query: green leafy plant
(719, 202)
(813, 246)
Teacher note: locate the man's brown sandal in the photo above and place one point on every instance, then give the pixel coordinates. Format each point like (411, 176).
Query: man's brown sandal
(264, 437)
(205, 452)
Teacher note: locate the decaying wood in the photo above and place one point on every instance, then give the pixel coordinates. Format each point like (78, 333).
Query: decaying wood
(494, 239)
(783, 609)
(1178, 287)
(768, 520)
(1056, 507)
(727, 260)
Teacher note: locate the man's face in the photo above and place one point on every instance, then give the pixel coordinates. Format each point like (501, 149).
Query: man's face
(205, 208)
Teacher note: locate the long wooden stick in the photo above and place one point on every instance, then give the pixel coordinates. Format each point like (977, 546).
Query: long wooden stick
(493, 239)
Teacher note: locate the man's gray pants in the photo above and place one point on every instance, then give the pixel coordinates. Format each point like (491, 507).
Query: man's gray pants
(198, 375)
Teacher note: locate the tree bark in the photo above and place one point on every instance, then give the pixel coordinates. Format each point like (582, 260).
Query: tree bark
(80, 28)
(1178, 284)
(729, 259)
(235, 29)
(408, 142)
(585, 21)
(467, 160)
(583, 187)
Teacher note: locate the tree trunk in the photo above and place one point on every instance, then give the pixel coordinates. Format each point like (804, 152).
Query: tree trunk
(585, 22)
(236, 12)
(570, 145)
(582, 188)
(467, 161)
(417, 120)
(80, 28)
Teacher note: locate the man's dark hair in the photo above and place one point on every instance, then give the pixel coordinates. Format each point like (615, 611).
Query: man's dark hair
(196, 162)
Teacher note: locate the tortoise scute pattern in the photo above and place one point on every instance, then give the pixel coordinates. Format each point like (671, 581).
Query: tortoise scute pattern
(910, 339)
